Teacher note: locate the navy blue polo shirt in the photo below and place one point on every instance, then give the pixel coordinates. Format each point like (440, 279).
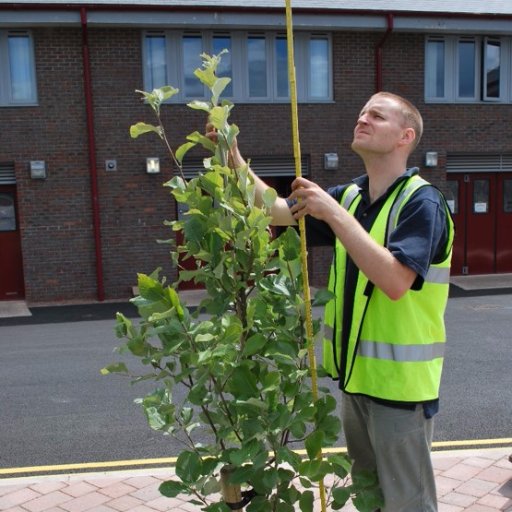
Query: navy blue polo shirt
(419, 240)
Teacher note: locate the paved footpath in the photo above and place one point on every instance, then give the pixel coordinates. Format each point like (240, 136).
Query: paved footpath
(472, 480)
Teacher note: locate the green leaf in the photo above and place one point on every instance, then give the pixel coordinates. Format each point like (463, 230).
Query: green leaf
(306, 501)
(182, 151)
(269, 197)
(172, 296)
(114, 368)
(271, 381)
(284, 454)
(199, 138)
(188, 467)
(171, 488)
(253, 403)
(298, 429)
(242, 474)
(246, 453)
(194, 229)
(156, 317)
(341, 464)
(289, 244)
(330, 426)
(206, 76)
(209, 465)
(340, 496)
(322, 297)
(243, 383)
(368, 500)
(199, 105)
(365, 478)
(315, 470)
(212, 485)
(218, 88)
(149, 288)
(259, 504)
(208, 336)
(314, 443)
(165, 92)
(140, 128)
(198, 391)
(254, 344)
(232, 133)
(219, 117)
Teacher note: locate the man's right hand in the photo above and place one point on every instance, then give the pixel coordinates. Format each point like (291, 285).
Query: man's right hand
(235, 159)
(281, 215)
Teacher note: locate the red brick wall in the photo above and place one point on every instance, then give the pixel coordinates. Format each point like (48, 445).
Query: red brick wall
(56, 215)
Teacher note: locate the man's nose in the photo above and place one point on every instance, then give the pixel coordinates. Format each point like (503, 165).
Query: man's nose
(362, 119)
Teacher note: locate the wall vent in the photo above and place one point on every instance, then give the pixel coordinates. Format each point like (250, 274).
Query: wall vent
(261, 165)
(7, 176)
(478, 163)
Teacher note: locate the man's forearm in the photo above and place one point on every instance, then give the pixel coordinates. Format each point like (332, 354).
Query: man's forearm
(280, 212)
(376, 262)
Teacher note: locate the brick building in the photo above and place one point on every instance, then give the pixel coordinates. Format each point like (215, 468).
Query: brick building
(79, 214)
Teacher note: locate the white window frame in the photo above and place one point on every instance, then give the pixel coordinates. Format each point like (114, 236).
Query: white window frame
(451, 70)
(6, 99)
(239, 63)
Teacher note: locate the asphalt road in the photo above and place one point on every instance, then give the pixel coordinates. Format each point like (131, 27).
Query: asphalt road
(56, 408)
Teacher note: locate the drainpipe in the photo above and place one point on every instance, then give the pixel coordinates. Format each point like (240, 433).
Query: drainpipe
(92, 156)
(378, 53)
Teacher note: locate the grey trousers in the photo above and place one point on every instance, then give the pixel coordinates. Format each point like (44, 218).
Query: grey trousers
(396, 444)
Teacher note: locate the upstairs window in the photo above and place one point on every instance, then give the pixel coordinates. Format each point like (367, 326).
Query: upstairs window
(468, 69)
(256, 62)
(492, 69)
(17, 69)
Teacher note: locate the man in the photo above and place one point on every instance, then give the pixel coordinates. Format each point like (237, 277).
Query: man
(384, 331)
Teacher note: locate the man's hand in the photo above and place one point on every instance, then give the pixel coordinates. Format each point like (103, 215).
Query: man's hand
(313, 200)
(235, 159)
(280, 212)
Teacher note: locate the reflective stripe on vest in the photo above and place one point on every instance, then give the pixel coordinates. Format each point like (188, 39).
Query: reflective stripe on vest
(439, 275)
(401, 353)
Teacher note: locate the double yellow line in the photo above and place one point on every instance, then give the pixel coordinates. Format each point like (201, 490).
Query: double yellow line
(170, 461)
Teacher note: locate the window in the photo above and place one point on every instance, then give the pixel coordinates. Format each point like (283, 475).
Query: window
(257, 66)
(452, 196)
(256, 63)
(481, 196)
(492, 69)
(17, 69)
(434, 73)
(468, 69)
(7, 213)
(223, 42)
(192, 48)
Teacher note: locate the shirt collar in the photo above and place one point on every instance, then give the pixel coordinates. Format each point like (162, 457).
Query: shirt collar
(362, 181)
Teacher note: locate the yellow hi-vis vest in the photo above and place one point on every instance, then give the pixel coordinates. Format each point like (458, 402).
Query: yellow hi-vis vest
(395, 348)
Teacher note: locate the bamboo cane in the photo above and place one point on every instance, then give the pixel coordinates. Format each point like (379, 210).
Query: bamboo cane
(302, 227)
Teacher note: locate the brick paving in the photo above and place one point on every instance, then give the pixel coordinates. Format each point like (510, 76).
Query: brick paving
(471, 480)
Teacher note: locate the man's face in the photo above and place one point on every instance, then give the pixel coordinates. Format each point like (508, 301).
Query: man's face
(379, 128)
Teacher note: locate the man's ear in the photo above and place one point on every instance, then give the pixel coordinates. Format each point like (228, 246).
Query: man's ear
(408, 136)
